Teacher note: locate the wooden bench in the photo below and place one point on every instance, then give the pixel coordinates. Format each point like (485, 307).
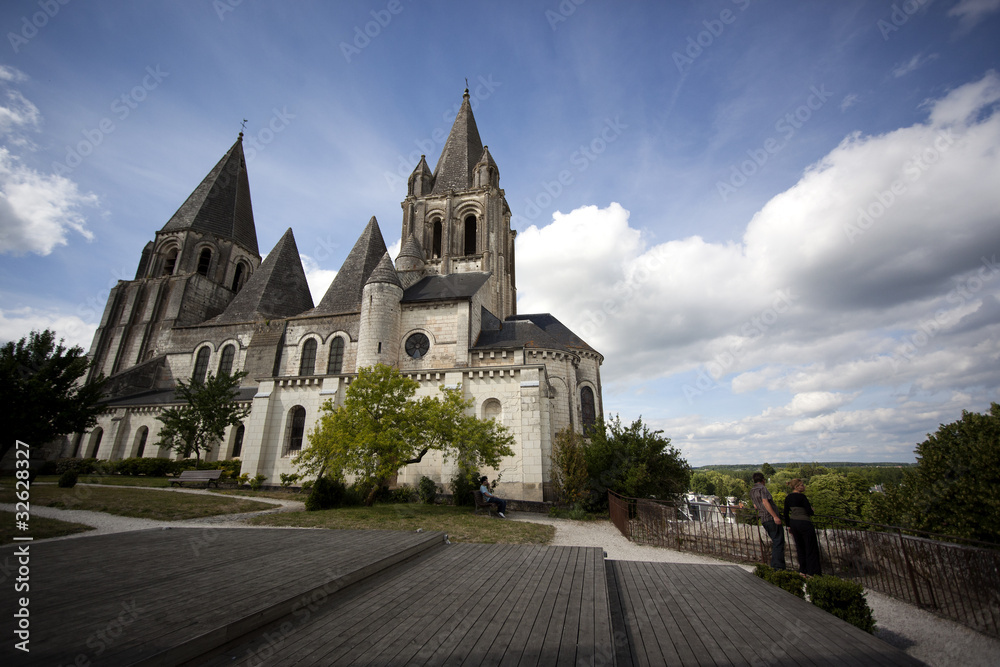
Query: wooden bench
(481, 504)
(208, 476)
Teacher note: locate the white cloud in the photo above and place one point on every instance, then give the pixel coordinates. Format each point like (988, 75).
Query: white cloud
(319, 279)
(874, 276)
(849, 101)
(971, 12)
(37, 210)
(913, 64)
(16, 324)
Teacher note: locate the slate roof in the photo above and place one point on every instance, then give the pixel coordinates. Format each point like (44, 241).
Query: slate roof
(221, 202)
(344, 293)
(170, 397)
(445, 288)
(385, 272)
(461, 152)
(411, 248)
(277, 289)
(540, 330)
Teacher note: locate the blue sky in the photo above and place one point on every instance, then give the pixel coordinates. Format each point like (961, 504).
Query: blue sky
(778, 221)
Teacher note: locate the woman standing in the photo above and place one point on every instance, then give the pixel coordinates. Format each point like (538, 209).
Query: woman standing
(797, 517)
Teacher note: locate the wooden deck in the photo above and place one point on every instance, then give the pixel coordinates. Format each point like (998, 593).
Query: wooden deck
(159, 597)
(680, 614)
(204, 596)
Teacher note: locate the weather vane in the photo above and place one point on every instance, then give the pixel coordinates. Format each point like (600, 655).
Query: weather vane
(466, 83)
(243, 125)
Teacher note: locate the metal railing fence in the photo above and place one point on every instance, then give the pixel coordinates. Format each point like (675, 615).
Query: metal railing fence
(960, 582)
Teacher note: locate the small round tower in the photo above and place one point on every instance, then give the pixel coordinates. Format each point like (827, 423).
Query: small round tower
(378, 334)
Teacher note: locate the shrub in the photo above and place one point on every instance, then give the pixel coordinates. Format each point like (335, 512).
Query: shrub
(783, 579)
(570, 479)
(287, 479)
(465, 481)
(427, 490)
(81, 466)
(257, 482)
(401, 494)
(327, 493)
(68, 479)
(844, 599)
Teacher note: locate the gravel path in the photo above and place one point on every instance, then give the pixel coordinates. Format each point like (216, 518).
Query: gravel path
(936, 641)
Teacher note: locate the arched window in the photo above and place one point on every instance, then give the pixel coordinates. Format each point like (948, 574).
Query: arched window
(589, 415)
(307, 363)
(141, 437)
(201, 365)
(296, 427)
(226, 361)
(95, 442)
(204, 261)
(336, 364)
(492, 409)
(170, 262)
(238, 278)
(436, 243)
(470, 235)
(238, 442)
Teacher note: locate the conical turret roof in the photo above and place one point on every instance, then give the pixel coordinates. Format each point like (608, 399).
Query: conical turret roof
(221, 203)
(385, 272)
(345, 292)
(277, 289)
(411, 248)
(461, 152)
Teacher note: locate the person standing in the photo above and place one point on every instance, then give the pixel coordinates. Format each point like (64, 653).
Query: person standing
(769, 519)
(798, 513)
(484, 488)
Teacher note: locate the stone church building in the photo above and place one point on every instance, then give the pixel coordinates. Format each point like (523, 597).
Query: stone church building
(444, 313)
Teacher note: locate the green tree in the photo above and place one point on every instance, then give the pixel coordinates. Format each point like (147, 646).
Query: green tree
(957, 477)
(41, 392)
(837, 495)
(380, 429)
(767, 469)
(200, 423)
(633, 461)
(570, 481)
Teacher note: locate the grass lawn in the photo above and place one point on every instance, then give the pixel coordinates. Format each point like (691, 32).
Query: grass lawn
(39, 528)
(459, 522)
(158, 505)
(277, 495)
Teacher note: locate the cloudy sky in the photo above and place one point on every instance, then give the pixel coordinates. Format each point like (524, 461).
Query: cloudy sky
(778, 221)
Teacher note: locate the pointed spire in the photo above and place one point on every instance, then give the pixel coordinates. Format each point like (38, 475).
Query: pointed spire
(487, 173)
(455, 167)
(344, 293)
(221, 203)
(421, 180)
(385, 272)
(411, 249)
(277, 289)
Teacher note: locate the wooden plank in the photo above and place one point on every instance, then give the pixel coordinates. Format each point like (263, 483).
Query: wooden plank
(657, 638)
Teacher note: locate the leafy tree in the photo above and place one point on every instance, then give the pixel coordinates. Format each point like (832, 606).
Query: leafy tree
(633, 461)
(40, 391)
(379, 430)
(957, 476)
(200, 423)
(837, 495)
(767, 469)
(570, 481)
(891, 506)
